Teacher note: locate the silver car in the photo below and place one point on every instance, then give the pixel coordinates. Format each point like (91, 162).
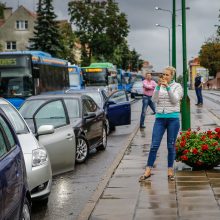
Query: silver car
(50, 122)
(37, 162)
(137, 89)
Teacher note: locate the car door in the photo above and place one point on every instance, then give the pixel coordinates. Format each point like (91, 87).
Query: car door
(93, 125)
(11, 173)
(60, 145)
(118, 109)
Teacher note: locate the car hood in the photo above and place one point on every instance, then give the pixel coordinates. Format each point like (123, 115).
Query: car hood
(28, 143)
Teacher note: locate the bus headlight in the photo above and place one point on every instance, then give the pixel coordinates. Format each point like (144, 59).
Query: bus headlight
(39, 157)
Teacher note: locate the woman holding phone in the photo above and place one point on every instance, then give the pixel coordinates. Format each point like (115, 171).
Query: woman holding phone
(167, 96)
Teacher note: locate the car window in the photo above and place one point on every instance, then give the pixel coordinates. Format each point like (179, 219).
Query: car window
(19, 125)
(3, 148)
(96, 96)
(52, 113)
(72, 106)
(7, 130)
(118, 97)
(28, 109)
(89, 105)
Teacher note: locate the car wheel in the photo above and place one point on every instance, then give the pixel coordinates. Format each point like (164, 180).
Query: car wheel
(104, 140)
(82, 149)
(26, 210)
(107, 127)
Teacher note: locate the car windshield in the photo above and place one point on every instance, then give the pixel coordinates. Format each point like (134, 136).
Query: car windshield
(29, 107)
(16, 120)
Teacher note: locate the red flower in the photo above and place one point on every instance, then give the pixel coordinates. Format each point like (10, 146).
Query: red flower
(205, 147)
(215, 144)
(217, 130)
(203, 138)
(195, 151)
(209, 132)
(181, 133)
(211, 136)
(184, 157)
(198, 129)
(185, 151)
(183, 143)
(183, 138)
(218, 149)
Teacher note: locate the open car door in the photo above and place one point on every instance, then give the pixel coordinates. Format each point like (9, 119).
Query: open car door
(118, 109)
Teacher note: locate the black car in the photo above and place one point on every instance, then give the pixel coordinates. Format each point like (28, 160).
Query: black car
(85, 116)
(116, 105)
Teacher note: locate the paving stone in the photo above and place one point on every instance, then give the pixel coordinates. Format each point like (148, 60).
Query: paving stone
(191, 173)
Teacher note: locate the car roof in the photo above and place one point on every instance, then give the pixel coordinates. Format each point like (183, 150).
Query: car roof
(56, 96)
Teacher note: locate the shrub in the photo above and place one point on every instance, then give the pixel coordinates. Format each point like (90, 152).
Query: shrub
(198, 149)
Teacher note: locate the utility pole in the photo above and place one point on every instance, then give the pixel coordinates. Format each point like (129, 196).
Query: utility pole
(174, 35)
(185, 101)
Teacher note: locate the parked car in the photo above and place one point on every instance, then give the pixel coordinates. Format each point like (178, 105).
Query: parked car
(15, 202)
(116, 105)
(86, 118)
(49, 121)
(37, 162)
(137, 89)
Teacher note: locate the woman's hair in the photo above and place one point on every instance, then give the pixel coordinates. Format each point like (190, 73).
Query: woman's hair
(171, 69)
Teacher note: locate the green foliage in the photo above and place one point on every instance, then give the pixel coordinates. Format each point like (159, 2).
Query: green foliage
(46, 34)
(209, 55)
(101, 28)
(2, 6)
(180, 79)
(199, 149)
(67, 39)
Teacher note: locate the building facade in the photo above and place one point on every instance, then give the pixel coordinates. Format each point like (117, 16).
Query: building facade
(16, 29)
(194, 68)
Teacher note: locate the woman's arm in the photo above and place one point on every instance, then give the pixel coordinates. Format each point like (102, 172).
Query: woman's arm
(155, 96)
(176, 95)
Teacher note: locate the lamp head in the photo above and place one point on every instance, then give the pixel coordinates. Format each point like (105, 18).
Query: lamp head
(157, 8)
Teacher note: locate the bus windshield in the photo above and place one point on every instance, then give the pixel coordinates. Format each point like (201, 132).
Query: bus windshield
(15, 79)
(96, 78)
(74, 79)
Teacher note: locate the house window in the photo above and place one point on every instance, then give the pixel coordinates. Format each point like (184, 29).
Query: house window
(11, 45)
(22, 25)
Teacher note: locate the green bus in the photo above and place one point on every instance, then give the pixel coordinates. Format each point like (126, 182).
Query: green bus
(101, 74)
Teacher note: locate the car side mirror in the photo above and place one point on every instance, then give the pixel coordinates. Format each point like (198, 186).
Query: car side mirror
(89, 115)
(45, 129)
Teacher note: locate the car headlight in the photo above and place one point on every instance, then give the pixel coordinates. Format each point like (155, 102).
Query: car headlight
(39, 157)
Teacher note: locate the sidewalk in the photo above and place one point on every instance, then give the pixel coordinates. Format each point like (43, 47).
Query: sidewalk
(193, 195)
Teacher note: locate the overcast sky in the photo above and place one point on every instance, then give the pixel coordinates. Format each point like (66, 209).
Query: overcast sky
(151, 41)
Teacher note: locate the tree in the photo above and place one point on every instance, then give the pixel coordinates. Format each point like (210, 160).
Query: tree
(100, 26)
(180, 79)
(2, 6)
(209, 55)
(67, 39)
(218, 30)
(46, 34)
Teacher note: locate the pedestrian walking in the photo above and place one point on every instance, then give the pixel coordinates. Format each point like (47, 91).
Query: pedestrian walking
(198, 87)
(167, 96)
(148, 89)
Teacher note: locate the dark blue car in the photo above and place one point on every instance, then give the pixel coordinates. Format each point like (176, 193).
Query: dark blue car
(14, 194)
(116, 105)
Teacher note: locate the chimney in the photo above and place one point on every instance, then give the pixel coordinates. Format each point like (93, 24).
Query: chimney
(7, 13)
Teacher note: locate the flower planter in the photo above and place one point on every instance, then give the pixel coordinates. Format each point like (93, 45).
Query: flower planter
(200, 150)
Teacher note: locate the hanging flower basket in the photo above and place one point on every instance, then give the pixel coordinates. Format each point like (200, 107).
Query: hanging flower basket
(200, 150)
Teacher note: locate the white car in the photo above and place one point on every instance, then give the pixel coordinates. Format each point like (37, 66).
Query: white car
(37, 162)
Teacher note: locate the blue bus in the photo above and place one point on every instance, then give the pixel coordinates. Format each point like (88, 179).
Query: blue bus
(75, 77)
(124, 80)
(27, 73)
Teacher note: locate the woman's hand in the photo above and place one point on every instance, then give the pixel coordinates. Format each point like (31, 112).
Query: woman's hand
(164, 83)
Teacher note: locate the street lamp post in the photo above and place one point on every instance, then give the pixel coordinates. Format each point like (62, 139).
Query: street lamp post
(158, 25)
(185, 101)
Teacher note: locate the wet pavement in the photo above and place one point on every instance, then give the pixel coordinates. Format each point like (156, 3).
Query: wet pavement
(193, 194)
